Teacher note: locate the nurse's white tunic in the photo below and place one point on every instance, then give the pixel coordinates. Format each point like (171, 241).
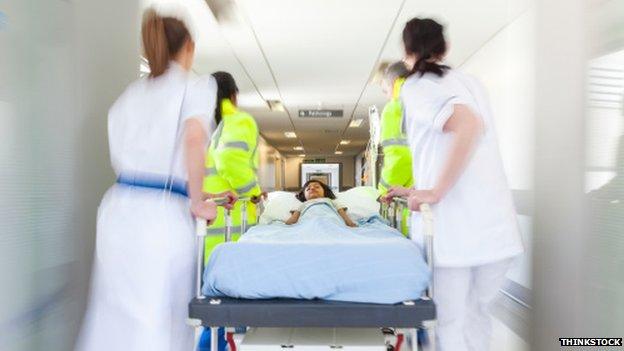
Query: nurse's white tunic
(475, 223)
(143, 266)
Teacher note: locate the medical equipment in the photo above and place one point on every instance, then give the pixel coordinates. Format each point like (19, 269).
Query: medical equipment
(217, 312)
(372, 148)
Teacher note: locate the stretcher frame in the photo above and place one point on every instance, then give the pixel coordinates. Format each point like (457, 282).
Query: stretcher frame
(216, 312)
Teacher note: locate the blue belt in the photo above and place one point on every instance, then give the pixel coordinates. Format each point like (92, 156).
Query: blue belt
(154, 182)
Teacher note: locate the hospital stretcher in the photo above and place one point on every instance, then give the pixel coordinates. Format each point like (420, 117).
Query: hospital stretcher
(215, 312)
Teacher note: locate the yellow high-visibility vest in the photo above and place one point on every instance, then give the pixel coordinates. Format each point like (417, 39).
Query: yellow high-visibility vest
(397, 161)
(231, 165)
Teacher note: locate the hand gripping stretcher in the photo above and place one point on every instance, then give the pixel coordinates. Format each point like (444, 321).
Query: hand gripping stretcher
(214, 312)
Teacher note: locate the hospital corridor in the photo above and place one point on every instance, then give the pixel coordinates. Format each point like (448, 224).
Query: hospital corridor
(271, 175)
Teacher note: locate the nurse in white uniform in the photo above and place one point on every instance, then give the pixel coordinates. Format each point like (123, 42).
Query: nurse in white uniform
(143, 266)
(458, 169)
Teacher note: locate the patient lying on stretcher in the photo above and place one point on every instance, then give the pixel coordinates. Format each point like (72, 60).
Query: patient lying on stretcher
(317, 256)
(313, 193)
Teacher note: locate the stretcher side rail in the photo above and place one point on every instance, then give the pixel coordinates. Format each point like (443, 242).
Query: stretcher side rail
(393, 212)
(201, 226)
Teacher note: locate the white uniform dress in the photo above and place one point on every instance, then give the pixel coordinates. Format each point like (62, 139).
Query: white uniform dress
(476, 230)
(143, 266)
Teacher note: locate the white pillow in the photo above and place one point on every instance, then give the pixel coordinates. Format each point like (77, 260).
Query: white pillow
(278, 206)
(361, 201)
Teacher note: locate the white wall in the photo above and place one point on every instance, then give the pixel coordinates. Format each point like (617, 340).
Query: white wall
(293, 176)
(332, 169)
(506, 67)
(268, 166)
(291, 165)
(63, 64)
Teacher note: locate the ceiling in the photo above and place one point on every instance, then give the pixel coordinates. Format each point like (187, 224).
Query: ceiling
(312, 54)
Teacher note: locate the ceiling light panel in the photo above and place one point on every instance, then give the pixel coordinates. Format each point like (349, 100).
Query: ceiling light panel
(356, 123)
(276, 105)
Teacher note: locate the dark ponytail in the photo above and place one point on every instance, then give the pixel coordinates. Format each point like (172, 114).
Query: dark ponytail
(226, 88)
(163, 38)
(424, 38)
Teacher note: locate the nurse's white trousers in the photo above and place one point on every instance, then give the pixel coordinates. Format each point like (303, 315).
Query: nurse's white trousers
(463, 296)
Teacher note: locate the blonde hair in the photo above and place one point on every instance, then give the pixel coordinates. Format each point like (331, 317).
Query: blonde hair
(394, 71)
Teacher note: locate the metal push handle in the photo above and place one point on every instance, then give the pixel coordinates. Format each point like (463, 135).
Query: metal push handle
(200, 233)
(243, 217)
(427, 217)
(201, 227)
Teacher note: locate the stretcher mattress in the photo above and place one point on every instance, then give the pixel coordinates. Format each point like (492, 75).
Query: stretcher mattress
(319, 259)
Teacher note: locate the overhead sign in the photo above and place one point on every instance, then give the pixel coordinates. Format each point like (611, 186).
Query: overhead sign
(320, 113)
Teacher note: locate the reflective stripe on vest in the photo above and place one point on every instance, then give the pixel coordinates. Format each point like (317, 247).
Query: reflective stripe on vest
(237, 145)
(246, 187)
(394, 141)
(384, 184)
(219, 231)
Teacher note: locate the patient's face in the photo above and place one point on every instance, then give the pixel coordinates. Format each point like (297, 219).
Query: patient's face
(314, 190)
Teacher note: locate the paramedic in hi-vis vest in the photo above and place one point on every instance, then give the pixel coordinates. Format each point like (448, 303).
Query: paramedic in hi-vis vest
(231, 170)
(231, 162)
(397, 160)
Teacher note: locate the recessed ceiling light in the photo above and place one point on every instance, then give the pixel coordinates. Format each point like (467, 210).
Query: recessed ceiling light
(298, 148)
(356, 123)
(338, 152)
(345, 142)
(276, 105)
(302, 155)
(290, 135)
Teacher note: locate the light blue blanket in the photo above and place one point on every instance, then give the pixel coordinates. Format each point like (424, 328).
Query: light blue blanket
(319, 258)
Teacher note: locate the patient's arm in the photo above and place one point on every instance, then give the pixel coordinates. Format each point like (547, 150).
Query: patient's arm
(343, 213)
(294, 217)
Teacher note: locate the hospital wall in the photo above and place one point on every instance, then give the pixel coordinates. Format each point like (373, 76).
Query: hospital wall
(269, 166)
(505, 65)
(292, 171)
(550, 74)
(63, 64)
